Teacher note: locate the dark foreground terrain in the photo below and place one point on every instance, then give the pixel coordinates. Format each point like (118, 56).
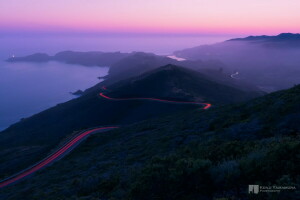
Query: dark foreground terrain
(197, 154)
(234, 136)
(34, 137)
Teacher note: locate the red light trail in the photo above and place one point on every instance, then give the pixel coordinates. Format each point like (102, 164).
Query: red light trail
(46, 161)
(206, 105)
(79, 138)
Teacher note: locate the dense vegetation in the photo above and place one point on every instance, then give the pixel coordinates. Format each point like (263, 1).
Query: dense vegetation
(197, 154)
(33, 137)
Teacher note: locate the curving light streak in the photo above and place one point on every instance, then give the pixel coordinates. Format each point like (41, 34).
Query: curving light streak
(51, 158)
(68, 146)
(206, 105)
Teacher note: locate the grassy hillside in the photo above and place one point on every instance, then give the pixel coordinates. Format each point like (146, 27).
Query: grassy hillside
(213, 154)
(33, 137)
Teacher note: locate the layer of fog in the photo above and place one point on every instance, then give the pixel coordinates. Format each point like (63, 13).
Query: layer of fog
(269, 65)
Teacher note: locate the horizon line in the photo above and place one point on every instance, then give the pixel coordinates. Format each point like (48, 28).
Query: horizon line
(133, 34)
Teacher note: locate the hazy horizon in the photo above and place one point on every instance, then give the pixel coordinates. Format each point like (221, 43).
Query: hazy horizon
(21, 82)
(162, 45)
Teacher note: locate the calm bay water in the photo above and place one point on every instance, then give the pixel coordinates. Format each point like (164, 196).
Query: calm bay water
(28, 88)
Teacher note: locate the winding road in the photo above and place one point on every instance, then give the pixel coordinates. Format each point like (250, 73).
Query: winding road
(60, 153)
(72, 143)
(234, 75)
(206, 105)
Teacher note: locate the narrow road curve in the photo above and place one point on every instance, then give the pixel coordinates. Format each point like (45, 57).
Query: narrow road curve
(206, 105)
(61, 152)
(234, 75)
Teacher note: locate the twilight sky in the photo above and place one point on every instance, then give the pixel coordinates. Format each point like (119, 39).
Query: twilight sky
(151, 16)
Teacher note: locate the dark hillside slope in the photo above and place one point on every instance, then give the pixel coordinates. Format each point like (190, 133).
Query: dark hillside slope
(138, 63)
(213, 154)
(32, 137)
(174, 82)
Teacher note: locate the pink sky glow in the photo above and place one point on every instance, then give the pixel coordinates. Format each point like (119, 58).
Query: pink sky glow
(155, 16)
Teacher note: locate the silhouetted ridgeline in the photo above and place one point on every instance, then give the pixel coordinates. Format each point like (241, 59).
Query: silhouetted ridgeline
(181, 83)
(139, 63)
(281, 39)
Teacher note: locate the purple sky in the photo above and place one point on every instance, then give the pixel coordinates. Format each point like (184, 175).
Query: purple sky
(155, 16)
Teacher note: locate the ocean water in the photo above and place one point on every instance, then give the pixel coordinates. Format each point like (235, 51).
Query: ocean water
(28, 88)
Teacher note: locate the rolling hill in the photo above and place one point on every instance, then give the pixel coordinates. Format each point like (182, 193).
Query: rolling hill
(33, 137)
(173, 82)
(139, 63)
(212, 154)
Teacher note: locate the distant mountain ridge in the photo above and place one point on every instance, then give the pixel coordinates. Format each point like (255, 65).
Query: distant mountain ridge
(280, 37)
(281, 41)
(42, 131)
(92, 58)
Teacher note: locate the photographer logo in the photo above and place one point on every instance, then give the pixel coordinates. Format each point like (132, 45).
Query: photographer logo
(254, 189)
